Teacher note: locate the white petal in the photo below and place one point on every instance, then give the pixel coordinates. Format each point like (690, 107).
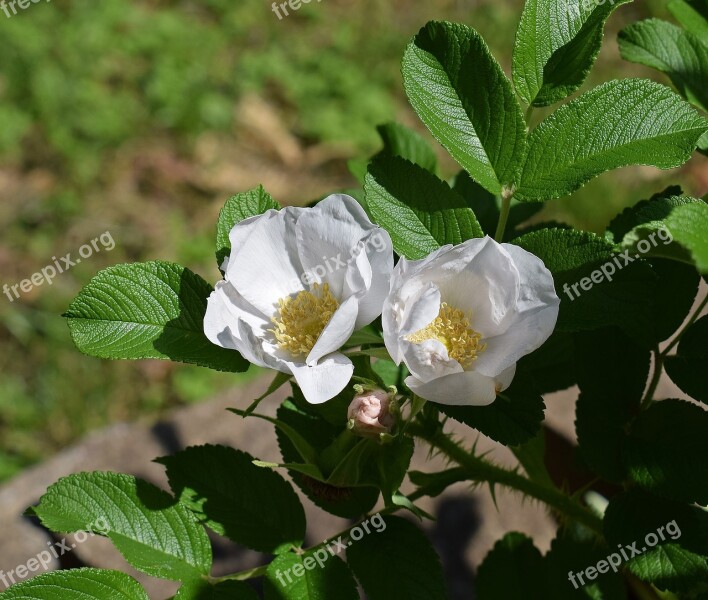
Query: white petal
(479, 278)
(459, 389)
(391, 329)
(377, 250)
(405, 269)
(265, 265)
(358, 274)
(323, 381)
(225, 314)
(240, 233)
(396, 304)
(260, 351)
(428, 360)
(401, 318)
(534, 315)
(346, 208)
(336, 332)
(505, 378)
(327, 236)
(421, 310)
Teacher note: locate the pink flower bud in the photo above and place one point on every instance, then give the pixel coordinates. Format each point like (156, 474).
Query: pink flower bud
(369, 413)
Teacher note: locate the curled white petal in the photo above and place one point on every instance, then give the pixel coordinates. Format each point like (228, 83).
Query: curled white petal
(336, 332)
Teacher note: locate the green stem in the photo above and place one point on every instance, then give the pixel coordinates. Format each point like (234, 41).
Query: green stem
(642, 590)
(503, 214)
(656, 378)
(529, 114)
(242, 576)
(691, 321)
(659, 357)
(481, 470)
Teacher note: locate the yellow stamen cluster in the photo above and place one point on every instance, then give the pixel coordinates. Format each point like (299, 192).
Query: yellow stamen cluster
(452, 329)
(301, 319)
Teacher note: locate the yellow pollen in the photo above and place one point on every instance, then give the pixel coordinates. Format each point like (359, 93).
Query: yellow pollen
(452, 329)
(301, 319)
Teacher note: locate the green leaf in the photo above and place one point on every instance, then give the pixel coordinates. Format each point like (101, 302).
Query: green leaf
(689, 225)
(250, 505)
(398, 562)
(551, 365)
(315, 575)
(590, 297)
(228, 590)
(693, 16)
(573, 550)
(556, 46)
(370, 463)
(346, 502)
(686, 221)
(390, 465)
(679, 560)
(517, 554)
(147, 310)
(305, 450)
(620, 123)
(238, 208)
(612, 372)
(666, 450)
(482, 202)
(703, 144)
(154, 534)
(671, 50)
(77, 584)
(677, 283)
(367, 335)
(419, 210)
(512, 419)
(687, 367)
(401, 141)
(304, 468)
(346, 465)
(381, 353)
(390, 373)
(464, 98)
(532, 457)
(642, 212)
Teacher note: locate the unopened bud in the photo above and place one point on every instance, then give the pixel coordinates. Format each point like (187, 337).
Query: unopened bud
(370, 413)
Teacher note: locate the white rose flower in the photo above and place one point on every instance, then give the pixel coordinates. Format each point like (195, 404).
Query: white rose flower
(297, 284)
(462, 317)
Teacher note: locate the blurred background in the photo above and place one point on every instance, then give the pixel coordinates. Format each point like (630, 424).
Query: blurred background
(140, 118)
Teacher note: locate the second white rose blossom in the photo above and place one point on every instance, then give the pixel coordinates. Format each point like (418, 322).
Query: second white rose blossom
(462, 317)
(298, 283)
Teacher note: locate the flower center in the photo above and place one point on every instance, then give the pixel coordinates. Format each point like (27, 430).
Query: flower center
(301, 319)
(452, 329)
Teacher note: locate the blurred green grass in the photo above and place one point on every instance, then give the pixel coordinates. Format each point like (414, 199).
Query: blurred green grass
(107, 109)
